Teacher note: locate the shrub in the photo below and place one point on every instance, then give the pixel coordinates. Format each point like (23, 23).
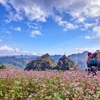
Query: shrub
(2, 67)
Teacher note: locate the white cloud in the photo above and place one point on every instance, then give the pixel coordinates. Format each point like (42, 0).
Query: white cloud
(8, 32)
(88, 25)
(86, 8)
(35, 10)
(5, 50)
(18, 29)
(0, 40)
(93, 38)
(35, 32)
(31, 9)
(17, 50)
(81, 20)
(65, 24)
(13, 17)
(86, 49)
(32, 25)
(4, 3)
(97, 30)
(87, 37)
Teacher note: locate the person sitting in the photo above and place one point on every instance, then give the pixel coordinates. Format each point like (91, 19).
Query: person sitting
(93, 63)
(90, 55)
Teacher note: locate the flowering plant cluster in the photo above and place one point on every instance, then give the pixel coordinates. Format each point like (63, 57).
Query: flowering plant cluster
(48, 85)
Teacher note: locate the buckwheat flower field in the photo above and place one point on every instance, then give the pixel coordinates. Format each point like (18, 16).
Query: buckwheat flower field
(48, 85)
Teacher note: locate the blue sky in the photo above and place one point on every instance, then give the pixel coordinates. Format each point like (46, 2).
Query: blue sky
(54, 26)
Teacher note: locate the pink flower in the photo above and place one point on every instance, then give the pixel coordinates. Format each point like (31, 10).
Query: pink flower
(84, 97)
(75, 99)
(91, 92)
(92, 86)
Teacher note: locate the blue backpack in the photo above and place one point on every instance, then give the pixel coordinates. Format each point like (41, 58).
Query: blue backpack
(93, 62)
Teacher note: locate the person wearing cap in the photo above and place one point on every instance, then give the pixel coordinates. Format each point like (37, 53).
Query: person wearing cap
(94, 63)
(90, 55)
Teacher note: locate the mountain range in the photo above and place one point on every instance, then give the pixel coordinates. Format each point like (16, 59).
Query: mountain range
(21, 61)
(79, 59)
(45, 62)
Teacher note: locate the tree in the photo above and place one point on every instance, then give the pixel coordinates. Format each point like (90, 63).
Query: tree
(2, 67)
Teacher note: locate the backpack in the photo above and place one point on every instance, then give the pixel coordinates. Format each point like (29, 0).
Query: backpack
(92, 62)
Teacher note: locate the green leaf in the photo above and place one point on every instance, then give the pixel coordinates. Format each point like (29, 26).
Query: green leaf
(47, 97)
(58, 98)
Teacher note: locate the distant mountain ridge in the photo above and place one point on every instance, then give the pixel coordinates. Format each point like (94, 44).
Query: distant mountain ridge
(79, 59)
(21, 61)
(42, 63)
(14, 62)
(45, 62)
(65, 63)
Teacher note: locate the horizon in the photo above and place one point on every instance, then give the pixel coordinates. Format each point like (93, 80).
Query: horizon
(43, 54)
(50, 26)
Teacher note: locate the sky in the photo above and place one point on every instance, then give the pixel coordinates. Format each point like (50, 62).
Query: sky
(36, 27)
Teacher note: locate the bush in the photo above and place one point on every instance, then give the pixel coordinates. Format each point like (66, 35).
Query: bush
(2, 67)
